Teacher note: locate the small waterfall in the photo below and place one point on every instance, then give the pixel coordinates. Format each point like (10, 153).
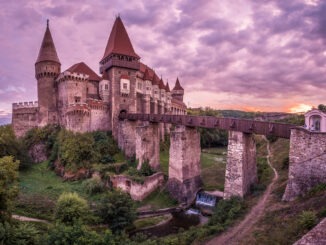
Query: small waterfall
(204, 199)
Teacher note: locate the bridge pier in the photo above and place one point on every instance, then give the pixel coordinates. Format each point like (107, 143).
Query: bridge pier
(127, 137)
(148, 145)
(241, 170)
(307, 159)
(184, 164)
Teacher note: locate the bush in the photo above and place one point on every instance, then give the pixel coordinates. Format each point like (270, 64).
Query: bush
(117, 210)
(11, 146)
(94, 185)
(8, 185)
(76, 149)
(307, 219)
(227, 211)
(77, 233)
(71, 208)
(146, 169)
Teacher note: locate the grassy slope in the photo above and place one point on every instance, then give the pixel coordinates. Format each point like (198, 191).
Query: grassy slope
(281, 222)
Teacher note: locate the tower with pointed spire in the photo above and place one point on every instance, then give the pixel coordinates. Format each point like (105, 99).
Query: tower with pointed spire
(120, 64)
(47, 68)
(177, 91)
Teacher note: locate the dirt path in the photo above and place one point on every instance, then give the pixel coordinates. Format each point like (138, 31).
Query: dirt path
(28, 219)
(234, 235)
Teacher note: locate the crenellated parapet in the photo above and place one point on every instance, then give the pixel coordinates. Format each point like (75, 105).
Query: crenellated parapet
(94, 104)
(72, 76)
(29, 104)
(78, 108)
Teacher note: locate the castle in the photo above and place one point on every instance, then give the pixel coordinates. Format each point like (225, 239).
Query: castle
(80, 100)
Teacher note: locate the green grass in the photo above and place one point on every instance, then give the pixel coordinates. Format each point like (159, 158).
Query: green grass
(164, 161)
(39, 189)
(150, 221)
(39, 180)
(157, 200)
(213, 162)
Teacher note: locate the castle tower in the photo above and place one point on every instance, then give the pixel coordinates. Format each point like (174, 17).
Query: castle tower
(120, 63)
(47, 68)
(177, 91)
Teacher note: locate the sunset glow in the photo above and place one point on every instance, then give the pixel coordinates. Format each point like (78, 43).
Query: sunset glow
(228, 55)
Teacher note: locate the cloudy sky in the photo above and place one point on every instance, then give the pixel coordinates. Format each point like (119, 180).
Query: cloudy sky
(267, 55)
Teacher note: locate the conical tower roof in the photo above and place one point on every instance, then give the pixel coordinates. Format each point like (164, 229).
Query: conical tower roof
(47, 50)
(177, 85)
(119, 42)
(167, 87)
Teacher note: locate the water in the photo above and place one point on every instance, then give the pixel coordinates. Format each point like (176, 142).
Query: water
(206, 200)
(178, 220)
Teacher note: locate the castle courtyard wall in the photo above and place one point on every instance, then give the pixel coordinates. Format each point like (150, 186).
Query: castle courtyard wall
(307, 162)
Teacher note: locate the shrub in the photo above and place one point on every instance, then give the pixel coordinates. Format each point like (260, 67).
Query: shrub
(117, 210)
(75, 149)
(77, 233)
(25, 234)
(71, 208)
(11, 146)
(93, 185)
(8, 185)
(307, 219)
(146, 169)
(227, 211)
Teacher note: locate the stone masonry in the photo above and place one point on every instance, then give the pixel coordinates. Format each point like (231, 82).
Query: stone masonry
(317, 236)
(148, 145)
(241, 170)
(307, 166)
(127, 137)
(184, 164)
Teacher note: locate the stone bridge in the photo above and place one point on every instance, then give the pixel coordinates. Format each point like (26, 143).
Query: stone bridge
(140, 134)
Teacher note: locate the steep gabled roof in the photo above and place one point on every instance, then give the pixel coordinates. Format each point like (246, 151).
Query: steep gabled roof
(147, 76)
(161, 84)
(84, 69)
(177, 85)
(119, 42)
(167, 87)
(47, 51)
(156, 80)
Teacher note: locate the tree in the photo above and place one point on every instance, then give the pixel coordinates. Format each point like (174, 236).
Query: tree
(70, 208)
(8, 185)
(11, 146)
(76, 149)
(117, 210)
(322, 107)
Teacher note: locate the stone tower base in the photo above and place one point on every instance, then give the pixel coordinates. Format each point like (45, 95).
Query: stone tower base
(184, 164)
(307, 166)
(184, 191)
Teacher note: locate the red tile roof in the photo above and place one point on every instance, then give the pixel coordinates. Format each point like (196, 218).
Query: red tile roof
(119, 42)
(47, 51)
(177, 85)
(147, 76)
(84, 69)
(125, 76)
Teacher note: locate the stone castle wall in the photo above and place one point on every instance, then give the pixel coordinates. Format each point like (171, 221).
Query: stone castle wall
(148, 145)
(241, 170)
(24, 117)
(307, 166)
(136, 190)
(127, 137)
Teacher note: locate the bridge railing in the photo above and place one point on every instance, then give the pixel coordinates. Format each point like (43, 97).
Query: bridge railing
(282, 130)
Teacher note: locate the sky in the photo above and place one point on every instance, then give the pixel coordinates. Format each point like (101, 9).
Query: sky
(255, 55)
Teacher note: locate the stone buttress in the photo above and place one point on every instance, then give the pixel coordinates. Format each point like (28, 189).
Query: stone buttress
(184, 164)
(241, 170)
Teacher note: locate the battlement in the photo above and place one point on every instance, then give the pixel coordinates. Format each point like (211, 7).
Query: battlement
(78, 108)
(30, 104)
(67, 75)
(97, 104)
